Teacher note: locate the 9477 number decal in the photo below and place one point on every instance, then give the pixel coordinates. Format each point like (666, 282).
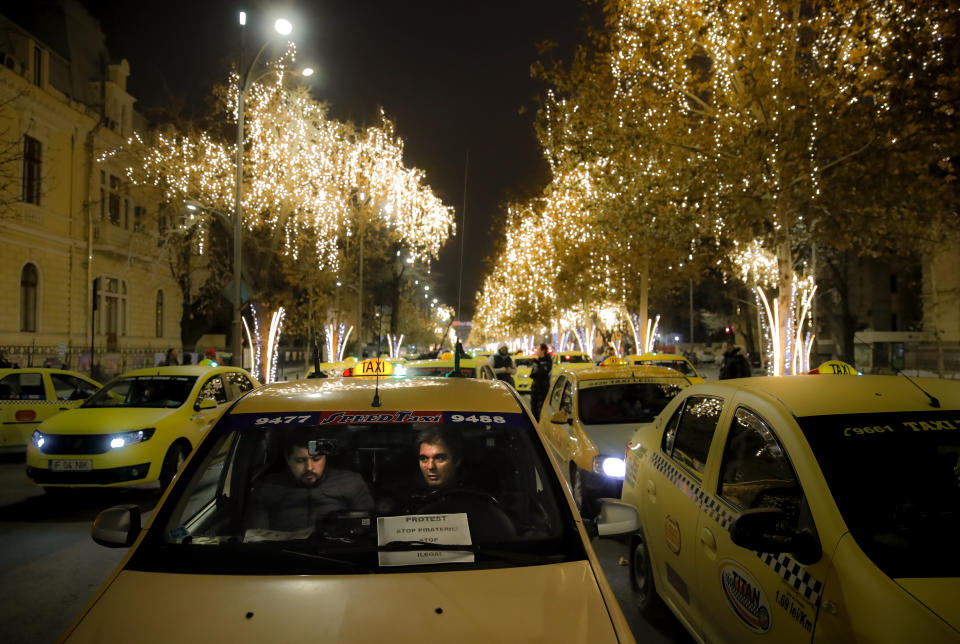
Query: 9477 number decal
(282, 420)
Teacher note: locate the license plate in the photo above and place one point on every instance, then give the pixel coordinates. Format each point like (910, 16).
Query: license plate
(71, 465)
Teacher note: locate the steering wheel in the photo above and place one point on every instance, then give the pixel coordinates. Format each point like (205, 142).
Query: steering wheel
(485, 513)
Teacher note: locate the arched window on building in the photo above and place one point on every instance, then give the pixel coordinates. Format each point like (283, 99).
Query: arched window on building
(29, 279)
(112, 307)
(159, 314)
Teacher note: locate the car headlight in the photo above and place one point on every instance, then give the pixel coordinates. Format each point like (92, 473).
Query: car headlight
(610, 466)
(38, 439)
(129, 438)
(399, 370)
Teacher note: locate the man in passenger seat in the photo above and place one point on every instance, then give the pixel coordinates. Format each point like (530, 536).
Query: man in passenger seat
(307, 490)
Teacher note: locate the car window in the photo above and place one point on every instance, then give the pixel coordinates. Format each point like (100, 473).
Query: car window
(691, 429)
(755, 471)
(679, 365)
(214, 389)
(71, 388)
(245, 506)
(239, 384)
(22, 386)
(624, 402)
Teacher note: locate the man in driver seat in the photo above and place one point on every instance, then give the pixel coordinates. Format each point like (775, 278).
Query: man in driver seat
(307, 490)
(440, 457)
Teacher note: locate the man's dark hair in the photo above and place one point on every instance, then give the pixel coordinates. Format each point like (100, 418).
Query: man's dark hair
(299, 437)
(451, 439)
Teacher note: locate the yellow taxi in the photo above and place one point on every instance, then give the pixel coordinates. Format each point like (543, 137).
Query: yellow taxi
(478, 367)
(573, 360)
(29, 396)
(521, 377)
(589, 415)
(788, 509)
(670, 360)
(310, 513)
(331, 369)
(139, 428)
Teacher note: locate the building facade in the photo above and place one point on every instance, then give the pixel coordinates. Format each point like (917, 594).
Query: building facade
(81, 265)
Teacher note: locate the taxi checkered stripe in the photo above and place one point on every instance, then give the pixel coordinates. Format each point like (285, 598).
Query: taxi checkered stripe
(795, 575)
(792, 572)
(32, 401)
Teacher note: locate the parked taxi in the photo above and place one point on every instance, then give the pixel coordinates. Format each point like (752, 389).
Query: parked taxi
(669, 360)
(478, 367)
(589, 416)
(139, 428)
(802, 510)
(29, 396)
(493, 552)
(573, 360)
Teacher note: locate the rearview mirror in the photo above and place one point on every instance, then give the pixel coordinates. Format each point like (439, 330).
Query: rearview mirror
(765, 530)
(205, 403)
(616, 518)
(560, 418)
(117, 527)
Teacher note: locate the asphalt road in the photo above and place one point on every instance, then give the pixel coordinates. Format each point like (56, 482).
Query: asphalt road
(50, 567)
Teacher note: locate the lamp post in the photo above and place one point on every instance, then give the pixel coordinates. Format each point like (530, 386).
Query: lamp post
(283, 27)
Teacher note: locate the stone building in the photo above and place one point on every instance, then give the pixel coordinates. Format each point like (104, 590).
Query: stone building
(81, 263)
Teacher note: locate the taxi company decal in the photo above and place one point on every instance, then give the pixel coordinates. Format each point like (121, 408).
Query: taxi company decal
(671, 532)
(604, 382)
(746, 598)
(366, 417)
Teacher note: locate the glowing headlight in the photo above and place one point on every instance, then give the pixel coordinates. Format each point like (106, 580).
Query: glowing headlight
(129, 438)
(38, 439)
(399, 370)
(611, 466)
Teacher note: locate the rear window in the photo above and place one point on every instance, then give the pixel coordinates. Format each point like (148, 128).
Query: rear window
(628, 402)
(896, 479)
(468, 372)
(396, 492)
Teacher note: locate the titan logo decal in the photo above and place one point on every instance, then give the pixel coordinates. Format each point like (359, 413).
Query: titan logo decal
(745, 597)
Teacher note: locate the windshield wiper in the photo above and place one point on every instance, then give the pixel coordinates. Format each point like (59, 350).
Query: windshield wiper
(506, 555)
(343, 563)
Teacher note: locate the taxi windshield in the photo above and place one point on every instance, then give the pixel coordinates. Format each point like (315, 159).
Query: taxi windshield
(628, 402)
(330, 492)
(896, 481)
(144, 391)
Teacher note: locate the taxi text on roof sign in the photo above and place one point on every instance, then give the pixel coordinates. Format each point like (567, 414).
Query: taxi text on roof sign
(372, 367)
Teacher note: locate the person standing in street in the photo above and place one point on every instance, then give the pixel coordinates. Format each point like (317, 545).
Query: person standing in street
(734, 363)
(210, 358)
(503, 365)
(172, 359)
(540, 374)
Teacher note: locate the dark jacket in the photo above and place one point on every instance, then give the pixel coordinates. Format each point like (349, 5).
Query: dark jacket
(540, 374)
(500, 361)
(734, 365)
(283, 503)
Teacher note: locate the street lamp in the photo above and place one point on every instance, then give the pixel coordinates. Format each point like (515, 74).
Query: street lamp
(284, 28)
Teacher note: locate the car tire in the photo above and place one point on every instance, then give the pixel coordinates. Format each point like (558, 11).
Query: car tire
(641, 578)
(172, 463)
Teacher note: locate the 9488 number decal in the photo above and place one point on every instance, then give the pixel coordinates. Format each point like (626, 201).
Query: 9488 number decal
(478, 418)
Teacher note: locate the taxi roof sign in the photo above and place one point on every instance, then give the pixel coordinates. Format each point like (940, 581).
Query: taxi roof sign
(371, 368)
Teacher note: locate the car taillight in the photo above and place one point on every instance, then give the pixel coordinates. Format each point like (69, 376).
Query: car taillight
(25, 414)
(348, 372)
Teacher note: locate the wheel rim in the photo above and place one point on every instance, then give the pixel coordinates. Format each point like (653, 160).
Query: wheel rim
(641, 568)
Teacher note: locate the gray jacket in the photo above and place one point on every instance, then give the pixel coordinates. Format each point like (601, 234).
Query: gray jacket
(283, 503)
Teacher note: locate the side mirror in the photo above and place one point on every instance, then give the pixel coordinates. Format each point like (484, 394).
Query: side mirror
(765, 530)
(117, 527)
(561, 417)
(205, 403)
(616, 518)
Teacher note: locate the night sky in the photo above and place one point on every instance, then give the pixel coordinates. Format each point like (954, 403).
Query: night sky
(453, 75)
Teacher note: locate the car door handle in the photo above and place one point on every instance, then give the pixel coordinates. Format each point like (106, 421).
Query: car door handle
(651, 490)
(709, 541)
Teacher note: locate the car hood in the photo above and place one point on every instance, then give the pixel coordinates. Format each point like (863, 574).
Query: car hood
(937, 594)
(611, 440)
(86, 421)
(558, 602)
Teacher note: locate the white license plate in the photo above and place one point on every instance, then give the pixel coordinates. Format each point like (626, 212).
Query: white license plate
(71, 465)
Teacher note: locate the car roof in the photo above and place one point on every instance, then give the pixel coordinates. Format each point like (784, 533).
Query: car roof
(395, 394)
(625, 371)
(443, 362)
(825, 395)
(656, 356)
